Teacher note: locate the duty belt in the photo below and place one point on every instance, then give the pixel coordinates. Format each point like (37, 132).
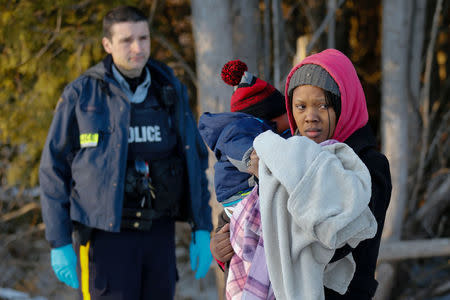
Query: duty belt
(139, 218)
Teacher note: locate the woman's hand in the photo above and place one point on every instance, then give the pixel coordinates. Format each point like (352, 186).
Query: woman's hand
(221, 246)
(253, 164)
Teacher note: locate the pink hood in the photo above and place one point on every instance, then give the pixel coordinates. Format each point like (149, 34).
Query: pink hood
(353, 102)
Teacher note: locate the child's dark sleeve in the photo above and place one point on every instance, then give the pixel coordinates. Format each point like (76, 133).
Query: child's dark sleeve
(236, 140)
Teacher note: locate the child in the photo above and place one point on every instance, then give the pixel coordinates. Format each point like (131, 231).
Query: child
(256, 106)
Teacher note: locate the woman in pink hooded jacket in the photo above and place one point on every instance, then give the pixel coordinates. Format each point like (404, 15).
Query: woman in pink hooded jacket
(325, 100)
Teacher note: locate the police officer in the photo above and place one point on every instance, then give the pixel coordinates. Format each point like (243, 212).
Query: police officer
(122, 162)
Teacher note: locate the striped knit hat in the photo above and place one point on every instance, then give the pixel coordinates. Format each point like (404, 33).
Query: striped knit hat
(252, 95)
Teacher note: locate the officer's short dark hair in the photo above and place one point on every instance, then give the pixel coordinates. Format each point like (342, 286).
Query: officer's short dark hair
(121, 14)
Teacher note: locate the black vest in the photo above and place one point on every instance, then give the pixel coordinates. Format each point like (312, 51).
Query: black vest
(156, 188)
(152, 133)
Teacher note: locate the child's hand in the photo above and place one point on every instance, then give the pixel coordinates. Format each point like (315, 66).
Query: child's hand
(252, 166)
(220, 244)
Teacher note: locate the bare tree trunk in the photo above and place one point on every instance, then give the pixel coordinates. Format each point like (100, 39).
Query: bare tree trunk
(417, 36)
(276, 18)
(328, 18)
(211, 25)
(394, 115)
(267, 34)
(281, 64)
(331, 7)
(247, 33)
(213, 45)
(394, 125)
(384, 274)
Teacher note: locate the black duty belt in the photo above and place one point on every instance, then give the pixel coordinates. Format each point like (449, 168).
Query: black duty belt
(139, 218)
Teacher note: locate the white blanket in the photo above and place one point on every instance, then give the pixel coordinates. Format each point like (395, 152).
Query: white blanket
(313, 200)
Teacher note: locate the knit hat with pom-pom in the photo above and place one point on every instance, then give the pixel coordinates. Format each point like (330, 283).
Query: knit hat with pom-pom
(252, 95)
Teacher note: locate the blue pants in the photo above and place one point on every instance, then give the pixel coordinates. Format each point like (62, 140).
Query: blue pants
(131, 265)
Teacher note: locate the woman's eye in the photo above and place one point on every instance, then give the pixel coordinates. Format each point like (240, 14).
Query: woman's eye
(300, 106)
(324, 106)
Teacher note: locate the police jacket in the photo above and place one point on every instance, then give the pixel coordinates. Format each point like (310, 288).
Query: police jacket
(86, 184)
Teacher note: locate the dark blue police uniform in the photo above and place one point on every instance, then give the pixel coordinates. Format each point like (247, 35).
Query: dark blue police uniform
(125, 245)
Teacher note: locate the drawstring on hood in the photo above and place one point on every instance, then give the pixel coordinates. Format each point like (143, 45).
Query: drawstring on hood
(353, 113)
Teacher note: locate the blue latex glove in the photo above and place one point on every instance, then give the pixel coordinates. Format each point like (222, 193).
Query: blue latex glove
(64, 264)
(200, 254)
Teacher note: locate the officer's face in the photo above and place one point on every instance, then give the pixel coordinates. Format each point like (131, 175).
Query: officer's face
(129, 46)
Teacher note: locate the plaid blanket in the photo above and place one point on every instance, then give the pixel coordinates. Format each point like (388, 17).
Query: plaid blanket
(248, 277)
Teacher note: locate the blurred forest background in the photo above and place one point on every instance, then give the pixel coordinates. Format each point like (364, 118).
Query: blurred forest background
(401, 51)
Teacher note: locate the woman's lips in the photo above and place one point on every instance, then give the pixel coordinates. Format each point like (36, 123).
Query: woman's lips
(312, 133)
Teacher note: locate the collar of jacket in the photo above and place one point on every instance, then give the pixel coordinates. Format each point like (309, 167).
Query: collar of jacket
(141, 91)
(158, 70)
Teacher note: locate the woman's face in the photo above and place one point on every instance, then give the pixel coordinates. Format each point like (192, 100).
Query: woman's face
(314, 118)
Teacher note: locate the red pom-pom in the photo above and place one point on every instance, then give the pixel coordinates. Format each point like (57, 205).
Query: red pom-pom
(232, 72)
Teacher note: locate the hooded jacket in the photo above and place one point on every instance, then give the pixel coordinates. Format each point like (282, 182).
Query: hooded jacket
(86, 184)
(230, 136)
(352, 128)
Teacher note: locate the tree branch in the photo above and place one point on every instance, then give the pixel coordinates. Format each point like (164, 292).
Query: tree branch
(49, 43)
(425, 97)
(443, 128)
(444, 88)
(308, 15)
(20, 212)
(152, 13)
(163, 41)
(328, 18)
(33, 229)
(400, 250)
(437, 199)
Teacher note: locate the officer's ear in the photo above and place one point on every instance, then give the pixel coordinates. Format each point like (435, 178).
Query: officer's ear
(107, 45)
